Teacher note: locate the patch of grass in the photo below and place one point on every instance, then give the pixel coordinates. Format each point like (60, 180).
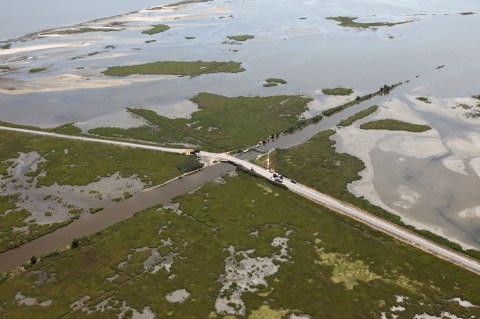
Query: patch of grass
(221, 123)
(276, 81)
(394, 125)
(95, 210)
(84, 30)
(181, 3)
(190, 38)
(158, 28)
(13, 219)
(384, 90)
(93, 53)
(336, 265)
(83, 164)
(315, 162)
(350, 22)
(268, 85)
(359, 115)
(5, 46)
(190, 164)
(88, 162)
(68, 128)
(150, 41)
(424, 99)
(243, 37)
(35, 70)
(192, 68)
(337, 91)
(4, 67)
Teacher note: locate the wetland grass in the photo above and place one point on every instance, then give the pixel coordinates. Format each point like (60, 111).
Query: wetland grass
(333, 263)
(338, 91)
(349, 22)
(241, 38)
(394, 125)
(158, 28)
(191, 68)
(360, 115)
(221, 123)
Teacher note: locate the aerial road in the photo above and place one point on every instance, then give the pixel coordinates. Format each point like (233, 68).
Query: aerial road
(361, 216)
(305, 191)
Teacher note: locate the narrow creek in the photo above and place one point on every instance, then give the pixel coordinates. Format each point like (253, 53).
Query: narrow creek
(116, 212)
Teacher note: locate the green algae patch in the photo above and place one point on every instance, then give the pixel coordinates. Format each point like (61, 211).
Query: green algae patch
(241, 38)
(191, 68)
(265, 312)
(345, 270)
(158, 28)
(350, 23)
(36, 70)
(338, 91)
(395, 125)
(360, 115)
(424, 99)
(274, 82)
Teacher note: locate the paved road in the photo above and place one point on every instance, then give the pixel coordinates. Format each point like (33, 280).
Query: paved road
(362, 216)
(89, 139)
(307, 192)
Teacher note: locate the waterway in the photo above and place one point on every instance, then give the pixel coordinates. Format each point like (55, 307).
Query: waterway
(319, 53)
(111, 214)
(18, 18)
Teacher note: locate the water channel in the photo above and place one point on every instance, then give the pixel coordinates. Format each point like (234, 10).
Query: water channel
(116, 212)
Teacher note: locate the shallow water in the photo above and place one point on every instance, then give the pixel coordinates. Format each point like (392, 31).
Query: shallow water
(48, 14)
(111, 214)
(432, 194)
(320, 54)
(310, 54)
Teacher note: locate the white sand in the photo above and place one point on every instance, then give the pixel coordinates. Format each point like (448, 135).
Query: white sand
(65, 82)
(43, 47)
(177, 296)
(359, 143)
(465, 149)
(446, 107)
(396, 109)
(323, 102)
(475, 165)
(464, 303)
(154, 18)
(455, 163)
(470, 212)
(407, 197)
(413, 146)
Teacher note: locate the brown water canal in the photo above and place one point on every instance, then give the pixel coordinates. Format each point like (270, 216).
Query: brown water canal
(112, 213)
